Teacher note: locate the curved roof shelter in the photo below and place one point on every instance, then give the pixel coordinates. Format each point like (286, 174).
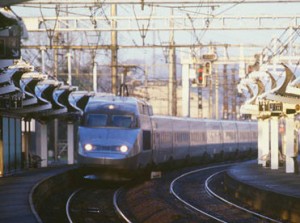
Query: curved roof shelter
(5, 3)
(30, 94)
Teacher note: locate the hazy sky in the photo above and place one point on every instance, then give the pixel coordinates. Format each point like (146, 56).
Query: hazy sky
(204, 35)
(275, 9)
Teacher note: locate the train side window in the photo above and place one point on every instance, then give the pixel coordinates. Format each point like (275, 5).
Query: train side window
(146, 140)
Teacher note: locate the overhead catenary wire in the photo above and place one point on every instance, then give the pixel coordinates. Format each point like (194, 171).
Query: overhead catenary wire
(143, 31)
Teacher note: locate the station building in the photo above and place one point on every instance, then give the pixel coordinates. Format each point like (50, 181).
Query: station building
(11, 32)
(30, 101)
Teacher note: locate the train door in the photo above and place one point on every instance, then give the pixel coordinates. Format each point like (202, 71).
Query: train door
(146, 139)
(146, 135)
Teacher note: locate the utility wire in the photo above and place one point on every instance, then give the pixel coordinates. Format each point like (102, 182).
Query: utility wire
(229, 8)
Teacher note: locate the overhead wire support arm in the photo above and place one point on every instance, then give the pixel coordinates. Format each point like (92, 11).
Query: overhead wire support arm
(144, 2)
(159, 23)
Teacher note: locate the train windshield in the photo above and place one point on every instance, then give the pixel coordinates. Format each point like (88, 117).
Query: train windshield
(111, 120)
(122, 121)
(96, 120)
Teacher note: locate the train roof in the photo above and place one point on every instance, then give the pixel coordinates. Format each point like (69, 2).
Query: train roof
(100, 101)
(203, 119)
(116, 99)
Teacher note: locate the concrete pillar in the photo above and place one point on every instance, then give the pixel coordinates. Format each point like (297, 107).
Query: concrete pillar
(70, 143)
(265, 143)
(25, 142)
(274, 143)
(260, 141)
(289, 142)
(185, 90)
(43, 151)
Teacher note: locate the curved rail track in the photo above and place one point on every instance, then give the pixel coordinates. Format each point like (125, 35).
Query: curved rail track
(194, 190)
(91, 204)
(199, 192)
(117, 208)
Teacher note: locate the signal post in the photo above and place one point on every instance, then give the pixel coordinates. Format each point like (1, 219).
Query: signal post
(195, 73)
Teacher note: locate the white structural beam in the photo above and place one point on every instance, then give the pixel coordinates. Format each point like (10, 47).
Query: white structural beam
(151, 2)
(161, 23)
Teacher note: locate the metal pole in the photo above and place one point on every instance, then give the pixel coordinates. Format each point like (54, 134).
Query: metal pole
(69, 69)
(185, 90)
(95, 77)
(290, 45)
(172, 72)
(242, 63)
(275, 58)
(55, 139)
(225, 99)
(233, 95)
(43, 59)
(210, 104)
(114, 50)
(122, 90)
(70, 143)
(55, 56)
(217, 93)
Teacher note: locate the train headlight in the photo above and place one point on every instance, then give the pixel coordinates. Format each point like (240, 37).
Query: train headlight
(88, 147)
(123, 149)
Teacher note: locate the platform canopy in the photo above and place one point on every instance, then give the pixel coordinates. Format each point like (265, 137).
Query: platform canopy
(5, 3)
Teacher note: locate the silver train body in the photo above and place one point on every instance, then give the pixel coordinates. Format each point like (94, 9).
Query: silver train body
(121, 133)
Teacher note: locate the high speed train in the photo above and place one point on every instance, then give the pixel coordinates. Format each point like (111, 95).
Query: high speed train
(121, 133)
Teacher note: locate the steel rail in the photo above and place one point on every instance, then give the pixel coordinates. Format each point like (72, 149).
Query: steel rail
(116, 206)
(207, 188)
(68, 204)
(185, 202)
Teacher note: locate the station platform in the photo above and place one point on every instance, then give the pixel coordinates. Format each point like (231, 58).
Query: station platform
(273, 192)
(15, 191)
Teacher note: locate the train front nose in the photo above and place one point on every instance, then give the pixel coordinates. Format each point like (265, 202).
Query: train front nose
(106, 147)
(111, 148)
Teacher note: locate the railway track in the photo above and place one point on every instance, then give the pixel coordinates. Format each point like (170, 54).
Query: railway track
(195, 189)
(92, 204)
(183, 195)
